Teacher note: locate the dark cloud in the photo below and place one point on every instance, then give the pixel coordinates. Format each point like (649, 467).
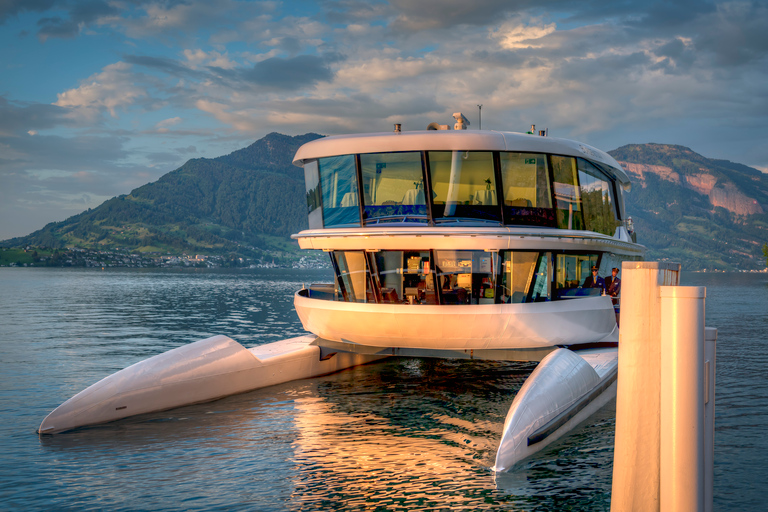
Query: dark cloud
(362, 106)
(65, 153)
(17, 118)
(736, 35)
(356, 11)
(170, 66)
(10, 8)
(291, 74)
(82, 13)
(430, 14)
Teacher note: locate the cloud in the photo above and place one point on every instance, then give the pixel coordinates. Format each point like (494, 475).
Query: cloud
(23, 117)
(81, 14)
(515, 35)
(433, 14)
(109, 90)
(162, 126)
(170, 66)
(292, 73)
(11, 8)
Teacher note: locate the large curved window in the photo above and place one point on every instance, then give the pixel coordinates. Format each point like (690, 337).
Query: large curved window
(463, 185)
(451, 187)
(567, 193)
(404, 277)
(461, 277)
(338, 184)
(314, 196)
(393, 187)
(597, 198)
(572, 272)
(525, 182)
(466, 277)
(352, 276)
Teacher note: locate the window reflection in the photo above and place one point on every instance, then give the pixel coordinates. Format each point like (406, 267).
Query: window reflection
(567, 196)
(405, 277)
(460, 277)
(466, 277)
(517, 273)
(393, 187)
(597, 198)
(314, 198)
(572, 270)
(338, 183)
(525, 182)
(352, 279)
(463, 185)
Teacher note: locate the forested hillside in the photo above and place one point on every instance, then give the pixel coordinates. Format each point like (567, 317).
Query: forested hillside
(703, 213)
(244, 203)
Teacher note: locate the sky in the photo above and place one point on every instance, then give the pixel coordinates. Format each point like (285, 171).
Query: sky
(99, 97)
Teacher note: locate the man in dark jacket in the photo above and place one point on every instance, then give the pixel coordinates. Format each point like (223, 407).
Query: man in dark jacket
(613, 283)
(594, 281)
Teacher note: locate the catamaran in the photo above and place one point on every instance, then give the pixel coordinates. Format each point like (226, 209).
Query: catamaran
(444, 243)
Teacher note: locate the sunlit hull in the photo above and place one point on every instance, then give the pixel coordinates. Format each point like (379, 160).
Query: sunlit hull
(460, 327)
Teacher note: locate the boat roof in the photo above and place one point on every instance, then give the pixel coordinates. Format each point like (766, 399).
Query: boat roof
(456, 140)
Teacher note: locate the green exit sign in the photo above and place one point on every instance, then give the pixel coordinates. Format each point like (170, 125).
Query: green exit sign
(530, 161)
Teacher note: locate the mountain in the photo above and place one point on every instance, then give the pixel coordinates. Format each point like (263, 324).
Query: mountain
(244, 203)
(704, 213)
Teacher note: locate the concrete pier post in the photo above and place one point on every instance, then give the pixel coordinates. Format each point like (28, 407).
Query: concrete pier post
(637, 442)
(682, 398)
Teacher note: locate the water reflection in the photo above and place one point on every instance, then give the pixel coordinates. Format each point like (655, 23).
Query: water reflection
(399, 434)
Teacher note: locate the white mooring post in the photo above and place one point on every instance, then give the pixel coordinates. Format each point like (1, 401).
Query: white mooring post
(682, 398)
(665, 399)
(636, 446)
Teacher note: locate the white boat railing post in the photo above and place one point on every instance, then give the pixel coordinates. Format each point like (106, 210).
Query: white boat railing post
(682, 398)
(636, 448)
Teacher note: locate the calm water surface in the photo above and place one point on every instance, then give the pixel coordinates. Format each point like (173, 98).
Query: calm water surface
(404, 434)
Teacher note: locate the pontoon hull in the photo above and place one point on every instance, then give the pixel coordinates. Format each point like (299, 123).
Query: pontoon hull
(199, 372)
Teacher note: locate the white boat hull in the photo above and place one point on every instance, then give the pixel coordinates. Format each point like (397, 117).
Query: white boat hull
(199, 372)
(564, 390)
(461, 327)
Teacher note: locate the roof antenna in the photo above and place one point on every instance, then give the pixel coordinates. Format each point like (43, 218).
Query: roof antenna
(480, 115)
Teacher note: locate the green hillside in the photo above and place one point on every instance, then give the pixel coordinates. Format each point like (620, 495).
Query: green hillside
(246, 203)
(704, 213)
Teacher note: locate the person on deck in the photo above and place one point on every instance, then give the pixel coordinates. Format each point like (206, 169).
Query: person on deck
(594, 281)
(613, 283)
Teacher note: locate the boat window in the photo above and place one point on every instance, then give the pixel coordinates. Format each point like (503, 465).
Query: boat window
(597, 199)
(463, 185)
(352, 279)
(314, 198)
(518, 270)
(338, 184)
(466, 277)
(393, 187)
(404, 277)
(525, 182)
(567, 193)
(572, 271)
(542, 282)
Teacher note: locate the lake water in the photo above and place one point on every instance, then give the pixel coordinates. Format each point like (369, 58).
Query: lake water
(403, 434)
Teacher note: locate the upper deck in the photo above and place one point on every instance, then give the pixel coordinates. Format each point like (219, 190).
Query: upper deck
(443, 178)
(456, 140)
